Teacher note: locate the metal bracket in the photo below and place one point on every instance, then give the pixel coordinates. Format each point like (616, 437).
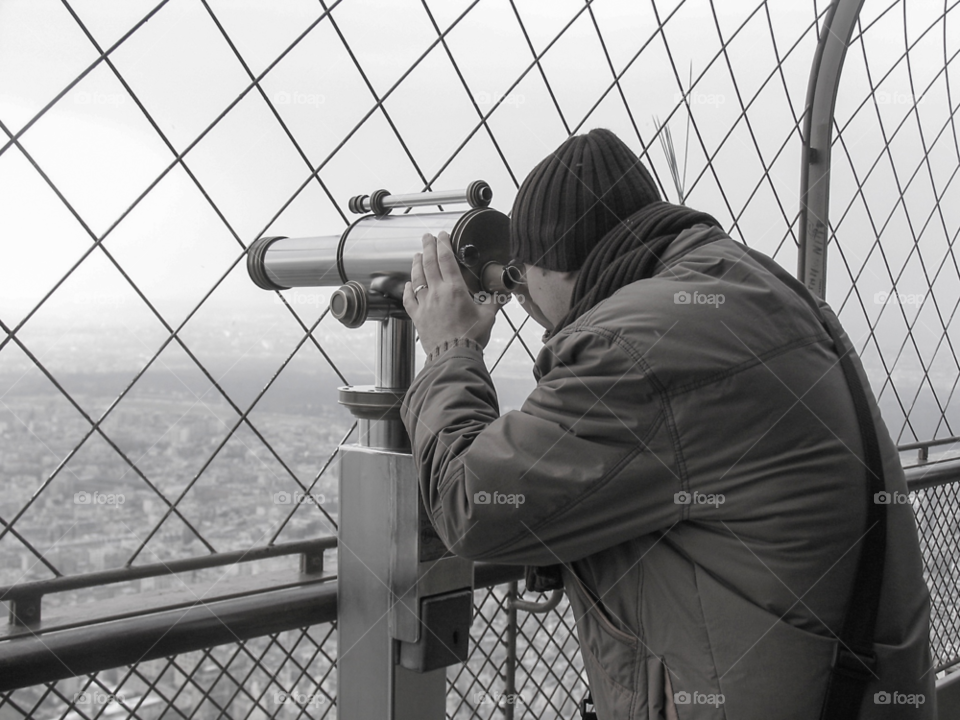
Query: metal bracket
(311, 563)
(536, 607)
(25, 610)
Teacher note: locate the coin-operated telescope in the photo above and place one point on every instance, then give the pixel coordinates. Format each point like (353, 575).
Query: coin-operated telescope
(405, 601)
(371, 258)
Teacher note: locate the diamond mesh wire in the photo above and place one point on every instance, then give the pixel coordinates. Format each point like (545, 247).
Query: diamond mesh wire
(546, 678)
(893, 273)
(288, 675)
(941, 548)
(263, 133)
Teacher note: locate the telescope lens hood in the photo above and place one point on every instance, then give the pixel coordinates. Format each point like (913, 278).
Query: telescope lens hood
(258, 273)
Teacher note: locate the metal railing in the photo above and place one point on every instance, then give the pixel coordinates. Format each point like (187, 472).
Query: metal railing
(883, 135)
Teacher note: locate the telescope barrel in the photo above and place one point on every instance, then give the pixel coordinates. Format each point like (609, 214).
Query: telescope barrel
(280, 263)
(371, 259)
(380, 245)
(386, 245)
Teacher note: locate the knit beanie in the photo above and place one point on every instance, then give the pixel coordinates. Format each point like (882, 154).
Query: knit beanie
(574, 197)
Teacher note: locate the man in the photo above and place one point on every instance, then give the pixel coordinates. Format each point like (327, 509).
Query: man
(690, 461)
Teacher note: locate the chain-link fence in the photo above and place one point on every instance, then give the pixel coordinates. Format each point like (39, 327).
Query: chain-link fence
(895, 213)
(940, 545)
(287, 675)
(145, 145)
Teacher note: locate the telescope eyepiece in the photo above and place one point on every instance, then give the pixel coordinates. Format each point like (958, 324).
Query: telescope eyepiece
(512, 277)
(499, 278)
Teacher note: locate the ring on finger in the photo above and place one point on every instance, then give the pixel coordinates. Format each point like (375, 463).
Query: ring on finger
(419, 288)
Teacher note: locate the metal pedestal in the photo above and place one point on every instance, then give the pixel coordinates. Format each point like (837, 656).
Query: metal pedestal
(390, 558)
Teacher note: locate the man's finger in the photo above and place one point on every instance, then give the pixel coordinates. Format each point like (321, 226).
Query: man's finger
(431, 268)
(410, 302)
(417, 277)
(449, 267)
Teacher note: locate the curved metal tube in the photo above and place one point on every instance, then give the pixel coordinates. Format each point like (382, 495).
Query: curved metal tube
(535, 607)
(818, 141)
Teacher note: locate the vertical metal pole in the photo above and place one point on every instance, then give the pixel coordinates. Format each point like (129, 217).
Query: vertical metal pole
(370, 683)
(818, 141)
(510, 691)
(416, 696)
(395, 353)
(394, 371)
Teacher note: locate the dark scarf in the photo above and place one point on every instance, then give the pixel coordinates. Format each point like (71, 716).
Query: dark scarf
(627, 253)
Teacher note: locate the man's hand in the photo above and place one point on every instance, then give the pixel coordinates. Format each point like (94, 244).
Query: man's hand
(443, 308)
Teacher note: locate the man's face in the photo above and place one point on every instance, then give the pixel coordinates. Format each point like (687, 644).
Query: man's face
(547, 294)
(533, 296)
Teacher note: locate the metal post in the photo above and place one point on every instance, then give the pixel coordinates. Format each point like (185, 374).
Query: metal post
(818, 140)
(510, 691)
(383, 572)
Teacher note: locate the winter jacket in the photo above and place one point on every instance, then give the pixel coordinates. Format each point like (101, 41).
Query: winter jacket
(692, 457)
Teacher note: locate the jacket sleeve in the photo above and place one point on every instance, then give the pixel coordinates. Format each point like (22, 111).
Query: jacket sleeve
(588, 461)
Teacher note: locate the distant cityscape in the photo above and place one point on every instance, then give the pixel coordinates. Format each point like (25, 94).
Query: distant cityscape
(98, 511)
